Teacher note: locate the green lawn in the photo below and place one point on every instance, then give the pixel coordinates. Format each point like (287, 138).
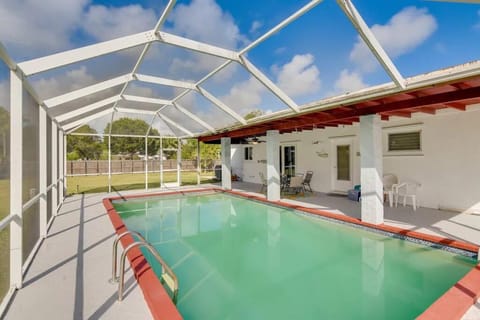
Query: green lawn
(4, 238)
(129, 181)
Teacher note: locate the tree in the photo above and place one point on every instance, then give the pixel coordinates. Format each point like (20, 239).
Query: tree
(207, 151)
(208, 154)
(132, 145)
(253, 114)
(84, 147)
(189, 149)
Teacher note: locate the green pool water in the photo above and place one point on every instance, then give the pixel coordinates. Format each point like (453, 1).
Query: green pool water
(240, 259)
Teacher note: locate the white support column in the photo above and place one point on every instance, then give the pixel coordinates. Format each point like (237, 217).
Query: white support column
(16, 173)
(161, 162)
(179, 162)
(146, 163)
(371, 162)
(54, 203)
(199, 167)
(273, 165)
(109, 163)
(60, 166)
(42, 171)
(226, 164)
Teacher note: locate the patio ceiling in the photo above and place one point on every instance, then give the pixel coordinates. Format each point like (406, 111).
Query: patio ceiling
(455, 95)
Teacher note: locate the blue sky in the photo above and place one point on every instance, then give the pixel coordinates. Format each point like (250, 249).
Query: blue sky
(317, 56)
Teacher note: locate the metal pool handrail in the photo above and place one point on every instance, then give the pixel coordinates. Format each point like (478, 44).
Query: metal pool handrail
(114, 278)
(168, 276)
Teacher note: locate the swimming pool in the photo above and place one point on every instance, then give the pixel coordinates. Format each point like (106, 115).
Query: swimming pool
(241, 259)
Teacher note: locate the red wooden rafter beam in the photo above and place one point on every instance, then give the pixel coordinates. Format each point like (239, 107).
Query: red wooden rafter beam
(452, 99)
(404, 114)
(456, 105)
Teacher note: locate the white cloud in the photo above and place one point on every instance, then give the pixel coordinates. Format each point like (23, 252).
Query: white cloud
(105, 23)
(404, 32)
(137, 90)
(255, 26)
(204, 20)
(245, 96)
(298, 77)
(187, 100)
(194, 65)
(32, 28)
(38, 27)
(349, 81)
(71, 80)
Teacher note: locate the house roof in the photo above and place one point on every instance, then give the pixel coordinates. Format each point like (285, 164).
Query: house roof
(429, 97)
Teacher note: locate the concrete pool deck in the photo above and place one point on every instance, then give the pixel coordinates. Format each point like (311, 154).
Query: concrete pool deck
(69, 276)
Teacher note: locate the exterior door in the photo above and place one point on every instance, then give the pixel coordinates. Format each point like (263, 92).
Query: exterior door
(287, 160)
(342, 175)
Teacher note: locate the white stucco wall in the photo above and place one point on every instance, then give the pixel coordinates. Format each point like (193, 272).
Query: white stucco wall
(448, 167)
(237, 160)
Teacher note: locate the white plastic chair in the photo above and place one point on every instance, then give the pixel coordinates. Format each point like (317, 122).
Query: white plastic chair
(406, 190)
(390, 181)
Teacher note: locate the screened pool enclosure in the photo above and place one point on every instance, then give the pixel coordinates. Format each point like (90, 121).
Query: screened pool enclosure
(189, 80)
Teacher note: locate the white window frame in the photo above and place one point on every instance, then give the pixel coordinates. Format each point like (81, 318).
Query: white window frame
(417, 127)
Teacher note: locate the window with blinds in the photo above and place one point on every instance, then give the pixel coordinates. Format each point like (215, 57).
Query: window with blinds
(404, 141)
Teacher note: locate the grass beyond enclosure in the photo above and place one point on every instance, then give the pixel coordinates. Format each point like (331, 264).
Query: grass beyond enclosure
(4, 238)
(131, 181)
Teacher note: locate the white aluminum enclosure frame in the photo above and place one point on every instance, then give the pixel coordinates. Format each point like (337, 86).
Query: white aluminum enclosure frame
(18, 265)
(146, 38)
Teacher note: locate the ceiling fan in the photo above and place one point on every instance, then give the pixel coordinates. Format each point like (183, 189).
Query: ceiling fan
(254, 140)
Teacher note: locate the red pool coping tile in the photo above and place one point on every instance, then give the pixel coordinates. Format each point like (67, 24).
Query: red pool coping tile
(451, 305)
